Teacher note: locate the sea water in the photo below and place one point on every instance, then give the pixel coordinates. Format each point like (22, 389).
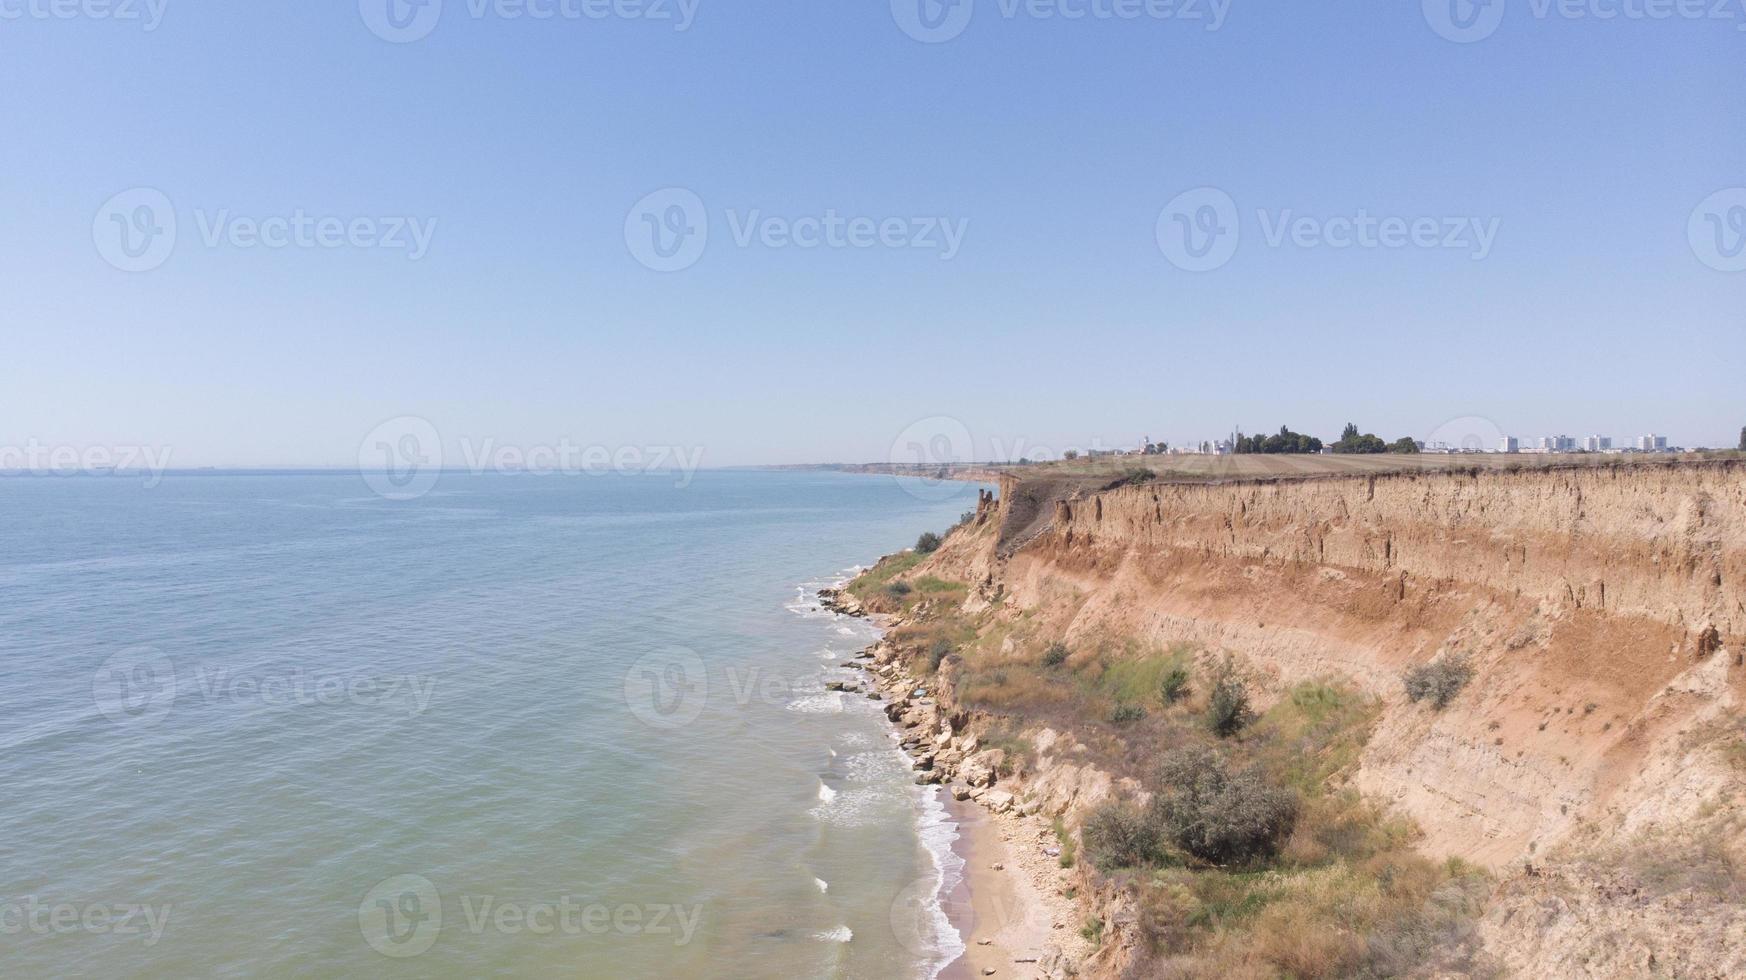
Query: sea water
(278, 725)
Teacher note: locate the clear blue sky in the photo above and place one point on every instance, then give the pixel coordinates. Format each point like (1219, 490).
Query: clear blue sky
(1058, 322)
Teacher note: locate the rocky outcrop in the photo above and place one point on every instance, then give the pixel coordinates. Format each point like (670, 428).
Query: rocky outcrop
(947, 749)
(840, 601)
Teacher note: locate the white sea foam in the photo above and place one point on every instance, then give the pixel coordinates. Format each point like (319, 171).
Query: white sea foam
(826, 794)
(823, 886)
(806, 604)
(871, 767)
(938, 832)
(828, 703)
(863, 806)
(840, 934)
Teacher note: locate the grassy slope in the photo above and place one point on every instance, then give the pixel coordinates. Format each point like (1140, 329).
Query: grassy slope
(1346, 894)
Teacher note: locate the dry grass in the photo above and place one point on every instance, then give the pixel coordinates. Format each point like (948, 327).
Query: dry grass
(1405, 917)
(1705, 859)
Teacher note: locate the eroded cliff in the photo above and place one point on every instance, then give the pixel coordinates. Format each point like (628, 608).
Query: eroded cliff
(1595, 758)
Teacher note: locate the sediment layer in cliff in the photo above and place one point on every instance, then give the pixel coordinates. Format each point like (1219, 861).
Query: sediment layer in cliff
(1602, 607)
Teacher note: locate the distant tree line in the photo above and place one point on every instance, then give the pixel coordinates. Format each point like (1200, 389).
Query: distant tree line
(1285, 441)
(1370, 442)
(1351, 441)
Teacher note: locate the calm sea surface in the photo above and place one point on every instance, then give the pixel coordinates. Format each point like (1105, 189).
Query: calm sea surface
(520, 726)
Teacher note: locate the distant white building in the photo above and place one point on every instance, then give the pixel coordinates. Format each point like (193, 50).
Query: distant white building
(1509, 444)
(1557, 444)
(1652, 444)
(1598, 444)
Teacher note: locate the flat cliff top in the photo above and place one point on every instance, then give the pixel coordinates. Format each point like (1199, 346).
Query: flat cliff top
(1260, 467)
(1064, 477)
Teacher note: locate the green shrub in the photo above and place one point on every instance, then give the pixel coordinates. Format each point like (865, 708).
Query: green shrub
(1438, 681)
(874, 579)
(1174, 686)
(1119, 835)
(1132, 477)
(897, 590)
(938, 652)
(1227, 711)
(1056, 655)
(1066, 839)
(927, 544)
(1125, 713)
(1217, 815)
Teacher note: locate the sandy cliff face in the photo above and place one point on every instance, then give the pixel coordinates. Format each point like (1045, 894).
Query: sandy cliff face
(1604, 611)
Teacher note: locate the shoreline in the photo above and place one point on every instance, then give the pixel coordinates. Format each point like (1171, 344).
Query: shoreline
(1010, 905)
(986, 907)
(952, 900)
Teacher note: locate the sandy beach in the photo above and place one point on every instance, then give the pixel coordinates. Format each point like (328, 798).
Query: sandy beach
(1008, 904)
